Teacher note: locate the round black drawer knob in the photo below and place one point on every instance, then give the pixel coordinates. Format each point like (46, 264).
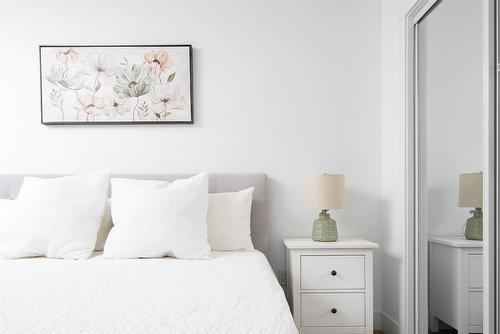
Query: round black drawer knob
(334, 273)
(334, 310)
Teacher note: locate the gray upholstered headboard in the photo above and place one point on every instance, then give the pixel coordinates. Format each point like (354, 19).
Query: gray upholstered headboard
(10, 185)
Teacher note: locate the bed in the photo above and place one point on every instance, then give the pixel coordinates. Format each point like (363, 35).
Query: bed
(233, 292)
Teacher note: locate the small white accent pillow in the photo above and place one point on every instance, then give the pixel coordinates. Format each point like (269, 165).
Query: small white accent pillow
(228, 220)
(56, 217)
(157, 218)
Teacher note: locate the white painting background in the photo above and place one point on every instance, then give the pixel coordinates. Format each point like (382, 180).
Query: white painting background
(120, 59)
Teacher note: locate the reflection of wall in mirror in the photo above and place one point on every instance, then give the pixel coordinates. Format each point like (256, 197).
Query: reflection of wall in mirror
(453, 94)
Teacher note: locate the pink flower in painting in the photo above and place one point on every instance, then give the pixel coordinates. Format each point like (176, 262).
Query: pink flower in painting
(167, 97)
(114, 107)
(158, 61)
(102, 63)
(90, 104)
(67, 55)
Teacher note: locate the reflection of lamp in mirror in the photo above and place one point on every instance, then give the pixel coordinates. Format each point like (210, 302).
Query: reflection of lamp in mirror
(326, 192)
(470, 195)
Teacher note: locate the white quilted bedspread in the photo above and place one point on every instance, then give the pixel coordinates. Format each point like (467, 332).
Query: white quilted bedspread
(234, 292)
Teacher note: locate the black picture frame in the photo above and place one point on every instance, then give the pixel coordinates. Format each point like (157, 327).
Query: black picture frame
(190, 67)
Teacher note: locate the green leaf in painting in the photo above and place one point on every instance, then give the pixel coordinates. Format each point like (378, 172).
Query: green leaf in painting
(171, 77)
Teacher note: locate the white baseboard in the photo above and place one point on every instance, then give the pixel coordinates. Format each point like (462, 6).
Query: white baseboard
(389, 325)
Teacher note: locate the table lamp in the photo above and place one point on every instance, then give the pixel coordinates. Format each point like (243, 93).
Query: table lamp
(470, 195)
(326, 192)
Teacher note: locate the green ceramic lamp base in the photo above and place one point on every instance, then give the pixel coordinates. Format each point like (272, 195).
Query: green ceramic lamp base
(324, 228)
(474, 225)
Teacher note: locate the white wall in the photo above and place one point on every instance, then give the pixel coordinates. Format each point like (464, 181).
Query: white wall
(450, 62)
(286, 88)
(393, 164)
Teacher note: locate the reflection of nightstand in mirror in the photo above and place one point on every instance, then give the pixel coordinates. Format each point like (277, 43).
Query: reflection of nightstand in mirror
(456, 283)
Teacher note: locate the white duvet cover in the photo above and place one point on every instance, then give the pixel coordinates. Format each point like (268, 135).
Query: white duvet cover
(233, 292)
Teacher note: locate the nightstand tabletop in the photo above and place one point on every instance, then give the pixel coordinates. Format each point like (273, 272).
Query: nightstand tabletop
(341, 243)
(458, 241)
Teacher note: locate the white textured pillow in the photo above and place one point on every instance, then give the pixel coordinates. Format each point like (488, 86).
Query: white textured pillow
(228, 220)
(158, 218)
(7, 208)
(56, 217)
(6, 204)
(105, 227)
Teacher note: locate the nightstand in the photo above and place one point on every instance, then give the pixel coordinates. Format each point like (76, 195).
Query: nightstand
(330, 285)
(456, 283)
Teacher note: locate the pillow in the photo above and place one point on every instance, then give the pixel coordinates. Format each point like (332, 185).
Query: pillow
(158, 218)
(56, 217)
(7, 207)
(106, 224)
(228, 220)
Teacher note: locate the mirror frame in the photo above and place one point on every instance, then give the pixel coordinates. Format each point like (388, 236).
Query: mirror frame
(416, 250)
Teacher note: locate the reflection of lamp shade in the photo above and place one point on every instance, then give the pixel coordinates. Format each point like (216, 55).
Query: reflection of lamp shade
(326, 191)
(470, 190)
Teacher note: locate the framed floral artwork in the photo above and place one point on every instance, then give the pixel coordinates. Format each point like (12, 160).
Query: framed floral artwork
(116, 84)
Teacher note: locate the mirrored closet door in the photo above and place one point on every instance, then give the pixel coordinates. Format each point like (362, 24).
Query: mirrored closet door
(449, 166)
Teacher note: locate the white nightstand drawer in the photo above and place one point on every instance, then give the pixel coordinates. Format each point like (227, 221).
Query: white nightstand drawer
(349, 309)
(475, 270)
(324, 272)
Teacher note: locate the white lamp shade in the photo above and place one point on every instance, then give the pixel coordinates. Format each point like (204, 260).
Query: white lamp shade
(470, 190)
(326, 191)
